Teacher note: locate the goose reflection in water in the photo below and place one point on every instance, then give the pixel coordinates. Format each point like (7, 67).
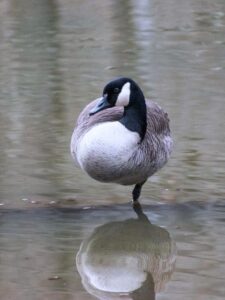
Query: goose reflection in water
(130, 259)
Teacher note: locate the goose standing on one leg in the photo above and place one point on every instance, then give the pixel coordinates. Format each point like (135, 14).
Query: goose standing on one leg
(121, 137)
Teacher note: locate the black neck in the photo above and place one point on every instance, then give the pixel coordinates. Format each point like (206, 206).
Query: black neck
(134, 117)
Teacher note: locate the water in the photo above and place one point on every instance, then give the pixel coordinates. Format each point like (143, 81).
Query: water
(56, 56)
(180, 255)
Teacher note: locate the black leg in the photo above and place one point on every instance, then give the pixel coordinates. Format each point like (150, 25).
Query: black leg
(137, 191)
(138, 210)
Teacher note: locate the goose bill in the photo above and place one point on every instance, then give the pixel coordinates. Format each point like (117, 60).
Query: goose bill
(102, 104)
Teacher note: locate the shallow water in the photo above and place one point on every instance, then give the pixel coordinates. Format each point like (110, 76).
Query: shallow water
(55, 56)
(180, 255)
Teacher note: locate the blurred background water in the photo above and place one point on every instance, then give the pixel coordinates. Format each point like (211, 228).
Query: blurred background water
(55, 57)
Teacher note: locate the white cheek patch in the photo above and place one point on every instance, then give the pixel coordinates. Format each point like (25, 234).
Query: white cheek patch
(124, 96)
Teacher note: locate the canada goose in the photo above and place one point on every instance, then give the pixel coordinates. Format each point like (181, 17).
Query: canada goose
(121, 137)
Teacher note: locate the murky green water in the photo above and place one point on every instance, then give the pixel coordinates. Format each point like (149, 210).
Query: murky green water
(180, 255)
(55, 56)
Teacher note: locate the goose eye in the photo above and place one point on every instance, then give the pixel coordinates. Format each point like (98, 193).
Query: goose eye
(116, 90)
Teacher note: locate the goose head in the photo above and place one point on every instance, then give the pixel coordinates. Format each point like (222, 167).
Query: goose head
(125, 92)
(119, 92)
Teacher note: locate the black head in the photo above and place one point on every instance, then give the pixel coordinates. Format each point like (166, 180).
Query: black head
(126, 93)
(118, 93)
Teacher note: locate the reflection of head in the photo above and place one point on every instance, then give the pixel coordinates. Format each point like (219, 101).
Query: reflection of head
(131, 259)
(146, 291)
